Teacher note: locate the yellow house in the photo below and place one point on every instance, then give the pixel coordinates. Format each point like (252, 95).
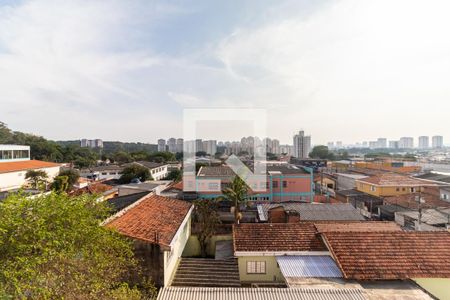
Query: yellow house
(390, 184)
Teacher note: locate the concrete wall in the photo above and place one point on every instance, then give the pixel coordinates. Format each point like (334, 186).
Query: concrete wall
(15, 180)
(171, 258)
(151, 260)
(159, 173)
(192, 248)
(273, 272)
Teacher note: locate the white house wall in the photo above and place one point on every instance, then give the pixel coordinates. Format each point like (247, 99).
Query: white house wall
(15, 180)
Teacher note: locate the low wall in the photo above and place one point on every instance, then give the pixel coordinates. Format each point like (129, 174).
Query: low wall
(192, 248)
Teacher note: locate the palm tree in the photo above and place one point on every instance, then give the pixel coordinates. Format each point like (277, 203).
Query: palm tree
(36, 177)
(237, 194)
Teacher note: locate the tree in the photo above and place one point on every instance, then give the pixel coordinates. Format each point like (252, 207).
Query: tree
(72, 176)
(207, 217)
(122, 157)
(36, 178)
(135, 171)
(60, 184)
(237, 194)
(53, 247)
(319, 152)
(200, 153)
(175, 175)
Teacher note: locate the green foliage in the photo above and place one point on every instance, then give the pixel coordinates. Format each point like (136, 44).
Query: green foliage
(322, 152)
(161, 157)
(175, 175)
(53, 247)
(36, 178)
(135, 171)
(207, 217)
(72, 176)
(179, 156)
(200, 153)
(60, 184)
(237, 194)
(122, 157)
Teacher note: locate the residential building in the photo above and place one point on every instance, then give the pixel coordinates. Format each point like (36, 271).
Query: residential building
(394, 144)
(158, 171)
(258, 247)
(282, 183)
(210, 147)
(347, 181)
(15, 162)
(106, 172)
(390, 184)
(424, 142)
(159, 228)
(330, 145)
(406, 143)
(276, 146)
(287, 150)
(381, 143)
(179, 146)
(97, 143)
(340, 145)
(366, 204)
(161, 145)
(373, 144)
(302, 145)
(172, 145)
(437, 141)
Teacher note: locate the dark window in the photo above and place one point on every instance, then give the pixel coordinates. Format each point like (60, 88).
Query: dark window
(275, 184)
(284, 183)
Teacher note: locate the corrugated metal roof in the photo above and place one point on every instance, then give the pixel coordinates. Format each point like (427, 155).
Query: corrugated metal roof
(193, 293)
(308, 266)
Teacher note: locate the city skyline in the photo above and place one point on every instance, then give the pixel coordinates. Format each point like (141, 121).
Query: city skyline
(125, 71)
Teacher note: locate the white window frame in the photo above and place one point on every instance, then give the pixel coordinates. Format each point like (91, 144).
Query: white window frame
(256, 267)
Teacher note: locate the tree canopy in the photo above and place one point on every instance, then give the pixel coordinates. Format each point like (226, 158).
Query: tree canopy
(135, 171)
(53, 247)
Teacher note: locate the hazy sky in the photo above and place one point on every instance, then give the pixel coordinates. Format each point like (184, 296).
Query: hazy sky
(348, 70)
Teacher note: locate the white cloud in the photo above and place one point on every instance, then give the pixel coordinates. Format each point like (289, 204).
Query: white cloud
(345, 70)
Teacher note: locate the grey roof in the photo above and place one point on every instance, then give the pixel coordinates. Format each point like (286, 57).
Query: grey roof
(143, 186)
(435, 177)
(286, 169)
(193, 293)
(104, 168)
(149, 164)
(315, 212)
(429, 216)
(216, 171)
(119, 203)
(307, 266)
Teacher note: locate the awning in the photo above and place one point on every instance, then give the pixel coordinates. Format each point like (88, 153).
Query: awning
(308, 266)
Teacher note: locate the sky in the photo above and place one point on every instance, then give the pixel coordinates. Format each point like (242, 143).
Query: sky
(349, 70)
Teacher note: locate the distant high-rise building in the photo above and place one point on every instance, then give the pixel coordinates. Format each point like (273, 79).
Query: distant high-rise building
(406, 143)
(179, 145)
(199, 145)
(161, 145)
(373, 144)
(437, 141)
(302, 145)
(365, 144)
(381, 143)
(172, 145)
(276, 146)
(330, 145)
(287, 149)
(97, 143)
(210, 147)
(424, 142)
(393, 144)
(339, 145)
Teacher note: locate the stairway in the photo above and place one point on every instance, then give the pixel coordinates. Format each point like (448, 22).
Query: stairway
(204, 272)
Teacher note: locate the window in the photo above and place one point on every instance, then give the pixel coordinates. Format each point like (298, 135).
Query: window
(284, 183)
(275, 184)
(403, 189)
(397, 189)
(104, 173)
(256, 267)
(372, 188)
(413, 190)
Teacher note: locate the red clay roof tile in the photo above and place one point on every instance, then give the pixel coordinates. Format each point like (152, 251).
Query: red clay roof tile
(254, 237)
(390, 255)
(154, 219)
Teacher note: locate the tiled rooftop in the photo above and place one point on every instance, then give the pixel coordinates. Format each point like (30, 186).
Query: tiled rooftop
(411, 201)
(15, 166)
(391, 255)
(367, 226)
(255, 237)
(154, 219)
(394, 179)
